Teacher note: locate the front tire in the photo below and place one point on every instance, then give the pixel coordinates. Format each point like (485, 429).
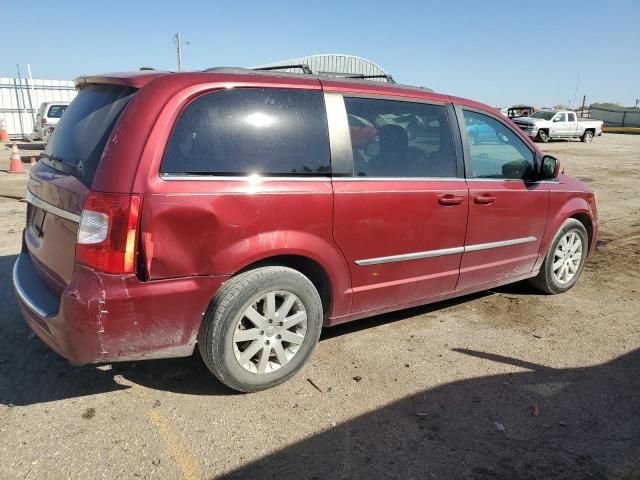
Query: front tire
(261, 328)
(563, 265)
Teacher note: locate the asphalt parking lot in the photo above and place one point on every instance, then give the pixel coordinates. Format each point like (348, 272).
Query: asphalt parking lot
(506, 384)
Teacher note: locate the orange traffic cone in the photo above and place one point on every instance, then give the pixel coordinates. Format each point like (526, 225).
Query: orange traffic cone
(16, 162)
(3, 132)
(33, 161)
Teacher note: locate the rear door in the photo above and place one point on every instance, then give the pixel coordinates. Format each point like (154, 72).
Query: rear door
(59, 182)
(507, 210)
(573, 124)
(400, 204)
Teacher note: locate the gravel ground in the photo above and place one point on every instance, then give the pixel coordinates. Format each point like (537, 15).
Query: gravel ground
(505, 384)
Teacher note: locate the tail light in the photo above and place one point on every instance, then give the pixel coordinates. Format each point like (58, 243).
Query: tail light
(108, 232)
(43, 122)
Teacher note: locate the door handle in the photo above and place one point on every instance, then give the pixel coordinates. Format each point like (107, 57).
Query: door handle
(450, 200)
(484, 199)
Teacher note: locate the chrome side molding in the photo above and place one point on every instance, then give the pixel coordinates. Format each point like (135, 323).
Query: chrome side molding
(444, 251)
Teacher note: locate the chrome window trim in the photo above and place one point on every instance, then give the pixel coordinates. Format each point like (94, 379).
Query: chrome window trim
(47, 207)
(23, 295)
(390, 97)
(444, 251)
(396, 179)
(254, 179)
(339, 134)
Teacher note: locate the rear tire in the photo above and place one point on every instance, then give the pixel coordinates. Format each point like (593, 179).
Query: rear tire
(261, 328)
(543, 136)
(564, 262)
(587, 136)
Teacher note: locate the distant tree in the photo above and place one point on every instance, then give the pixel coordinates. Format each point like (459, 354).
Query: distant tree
(560, 107)
(609, 105)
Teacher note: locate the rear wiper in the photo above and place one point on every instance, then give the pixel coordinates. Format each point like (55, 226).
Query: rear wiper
(76, 169)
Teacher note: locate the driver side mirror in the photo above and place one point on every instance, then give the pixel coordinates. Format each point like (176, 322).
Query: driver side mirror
(550, 168)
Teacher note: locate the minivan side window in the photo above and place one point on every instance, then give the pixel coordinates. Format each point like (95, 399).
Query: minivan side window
(496, 151)
(391, 138)
(245, 131)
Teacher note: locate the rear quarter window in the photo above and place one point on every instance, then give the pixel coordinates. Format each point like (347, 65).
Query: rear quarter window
(245, 131)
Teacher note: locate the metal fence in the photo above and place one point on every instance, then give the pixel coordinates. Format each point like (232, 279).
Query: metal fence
(20, 100)
(617, 118)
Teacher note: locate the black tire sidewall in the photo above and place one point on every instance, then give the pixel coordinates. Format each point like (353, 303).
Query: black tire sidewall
(570, 225)
(219, 343)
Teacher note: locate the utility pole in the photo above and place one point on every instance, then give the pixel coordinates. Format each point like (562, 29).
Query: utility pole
(584, 100)
(31, 93)
(24, 104)
(176, 39)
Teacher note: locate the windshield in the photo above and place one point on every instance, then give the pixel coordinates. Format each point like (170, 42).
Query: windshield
(81, 134)
(543, 115)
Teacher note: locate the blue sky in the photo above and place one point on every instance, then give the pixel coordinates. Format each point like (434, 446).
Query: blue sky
(470, 49)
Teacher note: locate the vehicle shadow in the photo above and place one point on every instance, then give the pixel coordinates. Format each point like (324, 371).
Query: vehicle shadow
(546, 423)
(32, 373)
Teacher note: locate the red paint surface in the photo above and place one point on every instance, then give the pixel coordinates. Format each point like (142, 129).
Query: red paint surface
(195, 234)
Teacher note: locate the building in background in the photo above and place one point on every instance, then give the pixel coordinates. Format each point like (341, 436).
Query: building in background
(336, 65)
(20, 100)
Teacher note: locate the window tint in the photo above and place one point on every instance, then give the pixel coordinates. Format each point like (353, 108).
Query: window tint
(251, 131)
(496, 151)
(56, 111)
(399, 139)
(572, 117)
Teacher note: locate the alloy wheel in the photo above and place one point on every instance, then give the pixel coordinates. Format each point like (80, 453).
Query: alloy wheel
(270, 332)
(567, 258)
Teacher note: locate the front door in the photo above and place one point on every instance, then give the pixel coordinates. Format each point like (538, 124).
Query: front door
(400, 215)
(507, 210)
(560, 127)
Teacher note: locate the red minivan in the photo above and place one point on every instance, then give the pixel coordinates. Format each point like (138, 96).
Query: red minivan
(244, 210)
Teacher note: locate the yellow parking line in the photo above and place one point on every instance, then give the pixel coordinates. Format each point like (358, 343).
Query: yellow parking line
(175, 446)
(621, 129)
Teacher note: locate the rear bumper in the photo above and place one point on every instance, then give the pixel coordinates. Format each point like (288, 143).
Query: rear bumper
(105, 318)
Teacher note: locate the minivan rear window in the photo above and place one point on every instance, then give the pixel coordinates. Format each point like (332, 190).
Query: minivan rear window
(82, 133)
(56, 111)
(244, 131)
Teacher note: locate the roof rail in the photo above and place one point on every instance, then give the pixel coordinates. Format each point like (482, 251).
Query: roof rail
(388, 77)
(302, 66)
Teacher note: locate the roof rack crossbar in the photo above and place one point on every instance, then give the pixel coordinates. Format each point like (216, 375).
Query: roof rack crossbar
(359, 76)
(302, 66)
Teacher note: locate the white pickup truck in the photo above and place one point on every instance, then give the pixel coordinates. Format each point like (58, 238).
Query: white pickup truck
(548, 124)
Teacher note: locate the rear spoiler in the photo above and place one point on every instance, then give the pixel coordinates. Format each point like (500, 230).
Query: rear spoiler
(126, 79)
